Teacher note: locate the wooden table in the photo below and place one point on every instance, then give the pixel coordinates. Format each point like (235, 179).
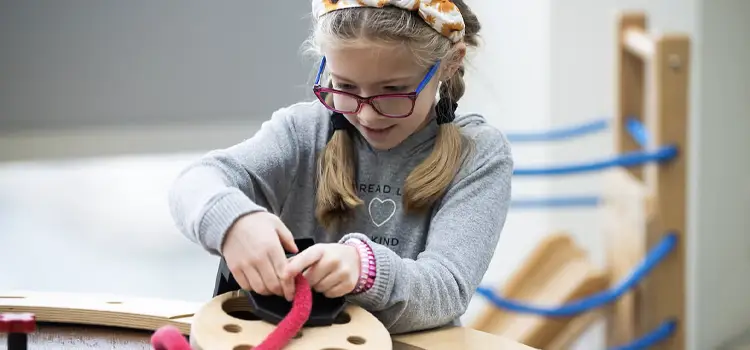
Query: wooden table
(75, 321)
(60, 336)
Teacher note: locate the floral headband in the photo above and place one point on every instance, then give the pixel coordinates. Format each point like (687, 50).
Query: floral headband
(442, 15)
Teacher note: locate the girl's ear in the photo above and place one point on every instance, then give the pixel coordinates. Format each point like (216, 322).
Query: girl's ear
(454, 62)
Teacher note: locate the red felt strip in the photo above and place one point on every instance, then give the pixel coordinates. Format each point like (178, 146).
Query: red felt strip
(294, 320)
(170, 338)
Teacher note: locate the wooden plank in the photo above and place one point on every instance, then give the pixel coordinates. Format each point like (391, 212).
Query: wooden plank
(575, 329)
(101, 309)
(625, 211)
(490, 316)
(556, 272)
(630, 85)
(218, 325)
(663, 294)
(639, 43)
(453, 338)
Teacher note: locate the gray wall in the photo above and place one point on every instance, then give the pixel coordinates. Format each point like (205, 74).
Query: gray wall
(719, 187)
(73, 63)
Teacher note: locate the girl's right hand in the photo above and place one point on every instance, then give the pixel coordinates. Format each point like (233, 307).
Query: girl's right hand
(254, 252)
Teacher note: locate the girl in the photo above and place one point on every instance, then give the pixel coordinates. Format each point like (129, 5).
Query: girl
(405, 199)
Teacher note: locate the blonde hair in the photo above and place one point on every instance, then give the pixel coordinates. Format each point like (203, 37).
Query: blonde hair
(336, 194)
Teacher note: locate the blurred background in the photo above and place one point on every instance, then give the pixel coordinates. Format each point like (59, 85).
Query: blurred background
(102, 103)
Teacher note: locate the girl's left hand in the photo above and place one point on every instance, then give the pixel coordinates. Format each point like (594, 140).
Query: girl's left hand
(331, 268)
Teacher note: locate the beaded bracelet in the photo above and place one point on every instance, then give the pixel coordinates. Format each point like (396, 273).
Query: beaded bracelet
(366, 263)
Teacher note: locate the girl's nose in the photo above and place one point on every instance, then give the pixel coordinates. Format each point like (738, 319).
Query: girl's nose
(369, 116)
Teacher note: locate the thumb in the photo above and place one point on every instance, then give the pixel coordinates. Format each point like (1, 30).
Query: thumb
(287, 239)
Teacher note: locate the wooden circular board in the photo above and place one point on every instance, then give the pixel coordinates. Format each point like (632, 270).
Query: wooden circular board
(218, 325)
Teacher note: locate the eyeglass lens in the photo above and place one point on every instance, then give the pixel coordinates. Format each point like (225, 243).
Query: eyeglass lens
(387, 105)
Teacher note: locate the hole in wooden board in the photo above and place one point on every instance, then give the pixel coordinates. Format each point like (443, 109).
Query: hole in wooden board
(332, 349)
(238, 307)
(342, 318)
(298, 335)
(356, 340)
(114, 302)
(232, 328)
(243, 347)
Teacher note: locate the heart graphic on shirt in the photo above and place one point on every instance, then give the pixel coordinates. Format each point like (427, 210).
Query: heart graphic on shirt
(381, 210)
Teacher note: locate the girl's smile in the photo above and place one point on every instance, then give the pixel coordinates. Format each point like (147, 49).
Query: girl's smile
(376, 134)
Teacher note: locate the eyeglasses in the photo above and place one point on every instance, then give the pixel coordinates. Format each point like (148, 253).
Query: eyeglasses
(387, 105)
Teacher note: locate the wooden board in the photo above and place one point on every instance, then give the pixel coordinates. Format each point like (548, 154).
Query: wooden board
(666, 286)
(630, 92)
(556, 272)
(574, 330)
(454, 338)
(626, 209)
(227, 322)
(653, 85)
(92, 321)
(101, 310)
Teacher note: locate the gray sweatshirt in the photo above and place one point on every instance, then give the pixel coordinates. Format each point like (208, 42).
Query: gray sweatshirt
(428, 267)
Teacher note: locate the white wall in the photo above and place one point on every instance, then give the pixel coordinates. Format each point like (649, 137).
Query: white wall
(508, 82)
(719, 197)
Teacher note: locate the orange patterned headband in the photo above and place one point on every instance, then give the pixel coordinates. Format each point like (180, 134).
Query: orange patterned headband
(442, 15)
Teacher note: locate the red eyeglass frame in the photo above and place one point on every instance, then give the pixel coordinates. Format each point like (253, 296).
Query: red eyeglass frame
(319, 90)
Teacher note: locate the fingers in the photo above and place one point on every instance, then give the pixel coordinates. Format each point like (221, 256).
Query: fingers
(249, 279)
(287, 239)
(239, 276)
(256, 282)
(314, 274)
(279, 262)
(320, 270)
(268, 275)
(339, 290)
(287, 287)
(303, 260)
(326, 277)
(327, 282)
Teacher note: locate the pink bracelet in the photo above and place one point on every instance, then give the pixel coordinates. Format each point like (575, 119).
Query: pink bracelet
(366, 263)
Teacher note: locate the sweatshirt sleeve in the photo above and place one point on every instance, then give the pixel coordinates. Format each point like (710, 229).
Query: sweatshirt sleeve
(210, 194)
(435, 289)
